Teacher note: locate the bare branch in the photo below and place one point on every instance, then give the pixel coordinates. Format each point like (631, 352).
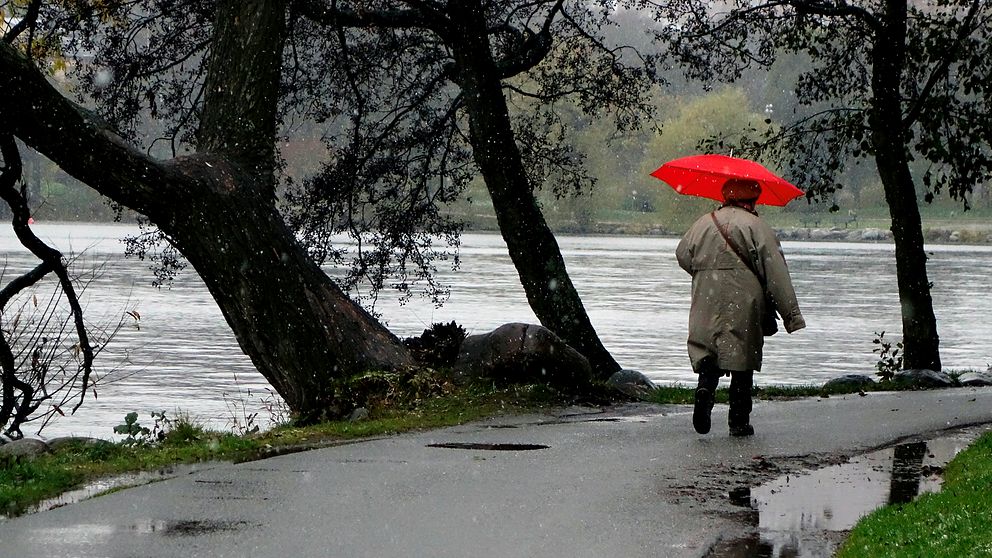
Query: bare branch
(837, 9)
(816, 7)
(48, 255)
(424, 16)
(533, 48)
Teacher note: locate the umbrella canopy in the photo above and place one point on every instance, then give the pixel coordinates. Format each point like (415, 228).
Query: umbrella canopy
(705, 175)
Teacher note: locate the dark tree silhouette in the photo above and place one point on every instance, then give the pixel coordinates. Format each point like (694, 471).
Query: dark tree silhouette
(413, 98)
(217, 205)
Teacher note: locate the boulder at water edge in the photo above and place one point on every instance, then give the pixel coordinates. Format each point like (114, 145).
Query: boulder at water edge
(975, 379)
(923, 378)
(358, 415)
(849, 382)
(632, 383)
(522, 353)
(875, 235)
(62, 442)
(24, 449)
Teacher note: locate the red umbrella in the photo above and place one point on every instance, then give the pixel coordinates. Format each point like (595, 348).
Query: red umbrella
(705, 175)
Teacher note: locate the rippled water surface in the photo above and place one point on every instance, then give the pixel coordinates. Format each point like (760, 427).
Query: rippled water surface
(184, 356)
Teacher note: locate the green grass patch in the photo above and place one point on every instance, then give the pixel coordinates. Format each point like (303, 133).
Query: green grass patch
(679, 394)
(26, 483)
(953, 522)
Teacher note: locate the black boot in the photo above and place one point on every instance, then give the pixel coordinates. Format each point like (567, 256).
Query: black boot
(704, 399)
(701, 410)
(739, 417)
(741, 430)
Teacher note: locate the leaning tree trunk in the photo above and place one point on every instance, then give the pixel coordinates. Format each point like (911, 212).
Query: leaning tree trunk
(218, 208)
(889, 135)
(531, 244)
(299, 329)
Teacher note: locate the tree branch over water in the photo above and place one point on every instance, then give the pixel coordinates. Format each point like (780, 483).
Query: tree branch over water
(51, 262)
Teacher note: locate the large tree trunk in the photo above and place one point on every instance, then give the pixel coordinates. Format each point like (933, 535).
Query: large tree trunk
(531, 244)
(218, 208)
(889, 135)
(299, 329)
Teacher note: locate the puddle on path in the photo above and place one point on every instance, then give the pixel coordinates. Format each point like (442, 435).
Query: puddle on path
(99, 534)
(185, 527)
(805, 515)
(488, 447)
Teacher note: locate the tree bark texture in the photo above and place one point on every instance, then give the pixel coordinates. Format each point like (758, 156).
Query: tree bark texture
(239, 116)
(889, 135)
(218, 209)
(531, 244)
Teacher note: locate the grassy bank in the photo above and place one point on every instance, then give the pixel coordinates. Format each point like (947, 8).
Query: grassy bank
(681, 394)
(953, 522)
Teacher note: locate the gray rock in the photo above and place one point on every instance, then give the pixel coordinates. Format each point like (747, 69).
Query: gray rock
(922, 378)
(522, 353)
(874, 234)
(359, 414)
(975, 379)
(60, 443)
(632, 383)
(790, 234)
(955, 236)
(849, 381)
(25, 448)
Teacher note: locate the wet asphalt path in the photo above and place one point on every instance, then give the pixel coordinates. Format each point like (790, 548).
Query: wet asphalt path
(608, 484)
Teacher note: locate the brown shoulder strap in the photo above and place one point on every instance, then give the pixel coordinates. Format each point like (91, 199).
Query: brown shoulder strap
(736, 249)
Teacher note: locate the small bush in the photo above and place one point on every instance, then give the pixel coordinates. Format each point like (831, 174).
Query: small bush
(438, 346)
(135, 434)
(889, 358)
(184, 429)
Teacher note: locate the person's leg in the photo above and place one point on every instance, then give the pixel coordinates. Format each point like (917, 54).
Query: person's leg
(703, 405)
(739, 417)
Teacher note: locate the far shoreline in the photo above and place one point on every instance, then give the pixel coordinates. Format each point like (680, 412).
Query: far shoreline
(967, 233)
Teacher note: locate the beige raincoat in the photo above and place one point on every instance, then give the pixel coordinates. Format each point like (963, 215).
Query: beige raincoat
(727, 299)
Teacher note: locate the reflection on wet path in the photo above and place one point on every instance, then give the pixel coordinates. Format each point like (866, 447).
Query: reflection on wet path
(101, 486)
(807, 515)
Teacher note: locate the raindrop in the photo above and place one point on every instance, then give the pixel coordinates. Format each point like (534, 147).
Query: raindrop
(103, 78)
(552, 284)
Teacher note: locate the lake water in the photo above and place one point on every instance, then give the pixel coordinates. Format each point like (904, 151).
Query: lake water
(183, 356)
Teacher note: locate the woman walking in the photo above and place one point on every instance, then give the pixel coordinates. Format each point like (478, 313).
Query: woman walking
(739, 279)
